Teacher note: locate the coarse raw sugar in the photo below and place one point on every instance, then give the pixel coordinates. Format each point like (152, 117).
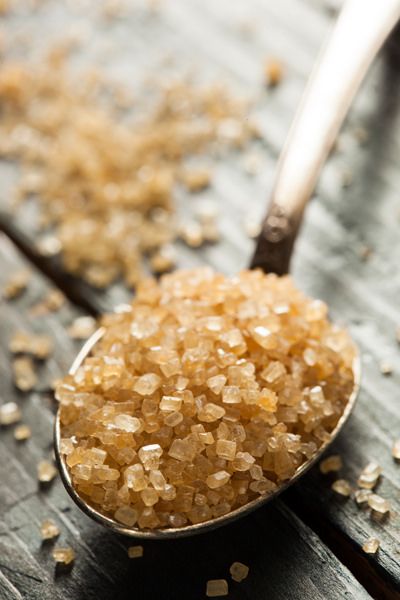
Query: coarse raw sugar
(331, 464)
(46, 471)
(369, 476)
(24, 373)
(238, 571)
(63, 556)
(342, 487)
(10, 413)
(16, 284)
(22, 432)
(371, 546)
(135, 551)
(209, 392)
(117, 197)
(378, 504)
(273, 72)
(49, 530)
(396, 450)
(216, 588)
(38, 345)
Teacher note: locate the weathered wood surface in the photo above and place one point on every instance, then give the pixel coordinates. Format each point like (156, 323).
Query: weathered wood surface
(230, 40)
(287, 559)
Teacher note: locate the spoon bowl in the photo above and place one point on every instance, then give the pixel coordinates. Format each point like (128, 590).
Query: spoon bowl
(187, 530)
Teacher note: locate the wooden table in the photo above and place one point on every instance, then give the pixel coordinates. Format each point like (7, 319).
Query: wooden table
(308, 543)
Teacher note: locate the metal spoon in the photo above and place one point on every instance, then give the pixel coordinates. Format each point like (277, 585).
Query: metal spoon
(360, 31)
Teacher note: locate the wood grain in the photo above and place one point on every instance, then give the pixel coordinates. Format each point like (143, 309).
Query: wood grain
(286, 558)
(229, 41)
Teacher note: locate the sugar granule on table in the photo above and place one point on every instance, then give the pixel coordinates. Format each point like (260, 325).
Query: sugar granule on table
(330, 464)
(216, 587)
(371, 546)
(64, 556)
(46, 471)
(16, 284)
(238, 571)
(369, 476)
(342, 487)
(378, 504)
(22, 433)
(10, 413)
(135, 551)
(129, 183)
(49, 530)
(24, 374)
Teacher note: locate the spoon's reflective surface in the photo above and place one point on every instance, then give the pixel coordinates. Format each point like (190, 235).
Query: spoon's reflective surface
(358, 35)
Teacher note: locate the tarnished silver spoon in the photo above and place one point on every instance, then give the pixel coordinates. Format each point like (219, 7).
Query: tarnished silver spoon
(361, 28)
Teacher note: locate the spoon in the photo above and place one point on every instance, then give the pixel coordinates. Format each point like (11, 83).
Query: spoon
(360, 31)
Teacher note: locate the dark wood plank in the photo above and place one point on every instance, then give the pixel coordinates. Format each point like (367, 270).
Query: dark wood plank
(286, 559)
(211, 36)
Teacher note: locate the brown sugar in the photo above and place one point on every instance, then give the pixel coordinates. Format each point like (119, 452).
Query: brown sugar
(16, 284)
(330, 464)
(10, 413)
(49, 530)
(135, 551)
(238, 571)
(55, 125)
(64, 556)
(371, 546)
(273, 72)
(25, 377)
(199, 398)
(22, 432)
(217, 587)
(46, 471)
(342, 487)
(39, 346)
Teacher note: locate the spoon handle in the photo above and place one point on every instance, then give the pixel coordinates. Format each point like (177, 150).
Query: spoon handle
(360, 30)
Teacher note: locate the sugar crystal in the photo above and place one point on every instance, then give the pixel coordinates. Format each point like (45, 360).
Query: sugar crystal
(378, 504)
(25, 377)
(63, 556)
(217, 587)
(369, 476)
(238, 571)
(22, 433)
(135, 551)
(396, 449)
(16, 285)
(217, 480)
(341, 487)
(371, 546)
(330, 464)
(150, 456)
(49, 530)
(46, 471)
(10, 413)
(126, 515)
(361, 496)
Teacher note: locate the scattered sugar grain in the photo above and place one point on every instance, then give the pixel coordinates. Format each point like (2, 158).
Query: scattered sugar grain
(217, 587)
(342, 487)
(22, 432)
(238, 571)
(135, 551)
(10, 413)
(331, 464)
(49, 530)
(63, 556)
(371, 546)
